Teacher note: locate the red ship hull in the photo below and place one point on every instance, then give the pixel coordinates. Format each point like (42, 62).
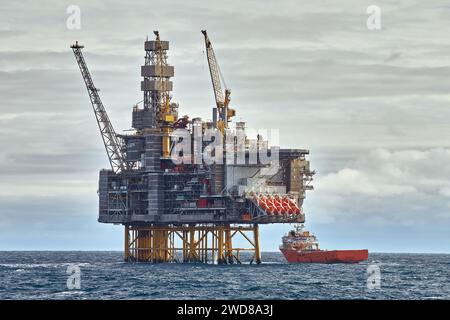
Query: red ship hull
(325, 256)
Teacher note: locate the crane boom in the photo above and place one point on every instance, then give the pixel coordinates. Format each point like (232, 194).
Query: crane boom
(222, 100)
(110, 139)
(214, 71)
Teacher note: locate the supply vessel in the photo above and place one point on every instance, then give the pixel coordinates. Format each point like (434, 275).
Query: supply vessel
(301, 246)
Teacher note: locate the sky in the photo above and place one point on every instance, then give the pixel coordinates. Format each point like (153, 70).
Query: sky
(372, 106)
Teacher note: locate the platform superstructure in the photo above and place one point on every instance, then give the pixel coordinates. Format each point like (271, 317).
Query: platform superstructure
(184, 187)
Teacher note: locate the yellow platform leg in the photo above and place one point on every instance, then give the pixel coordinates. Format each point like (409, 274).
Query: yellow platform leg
(158, 244)
(126, 255)
(256, 239)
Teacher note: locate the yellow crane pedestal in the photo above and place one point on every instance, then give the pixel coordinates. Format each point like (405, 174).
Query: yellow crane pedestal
(190, 243)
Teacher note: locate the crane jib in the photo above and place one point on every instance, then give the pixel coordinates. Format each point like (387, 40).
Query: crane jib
(216, 76)
(110, 139)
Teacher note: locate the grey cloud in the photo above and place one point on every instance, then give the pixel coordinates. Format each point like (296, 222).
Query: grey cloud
(389, 188)
(6, 34)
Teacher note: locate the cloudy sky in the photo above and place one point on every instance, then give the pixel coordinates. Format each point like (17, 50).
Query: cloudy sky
(373, 107)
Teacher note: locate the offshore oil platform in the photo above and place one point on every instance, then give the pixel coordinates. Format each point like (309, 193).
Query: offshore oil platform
(183, 188)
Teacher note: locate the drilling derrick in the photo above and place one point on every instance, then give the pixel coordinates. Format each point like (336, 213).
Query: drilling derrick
(175, 205)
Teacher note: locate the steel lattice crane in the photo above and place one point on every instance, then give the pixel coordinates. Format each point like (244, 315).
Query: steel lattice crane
(110, 139)
(222, 112)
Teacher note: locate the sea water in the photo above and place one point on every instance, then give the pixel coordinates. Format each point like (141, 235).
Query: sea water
(104, 275)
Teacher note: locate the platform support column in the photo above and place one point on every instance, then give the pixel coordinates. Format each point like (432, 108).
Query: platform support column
(228, 244)
(220, 257)
(126, 255)
(184, 240)
(191, 245)
(256, 240)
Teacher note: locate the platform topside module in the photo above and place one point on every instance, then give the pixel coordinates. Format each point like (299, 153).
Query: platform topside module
(159, 178)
